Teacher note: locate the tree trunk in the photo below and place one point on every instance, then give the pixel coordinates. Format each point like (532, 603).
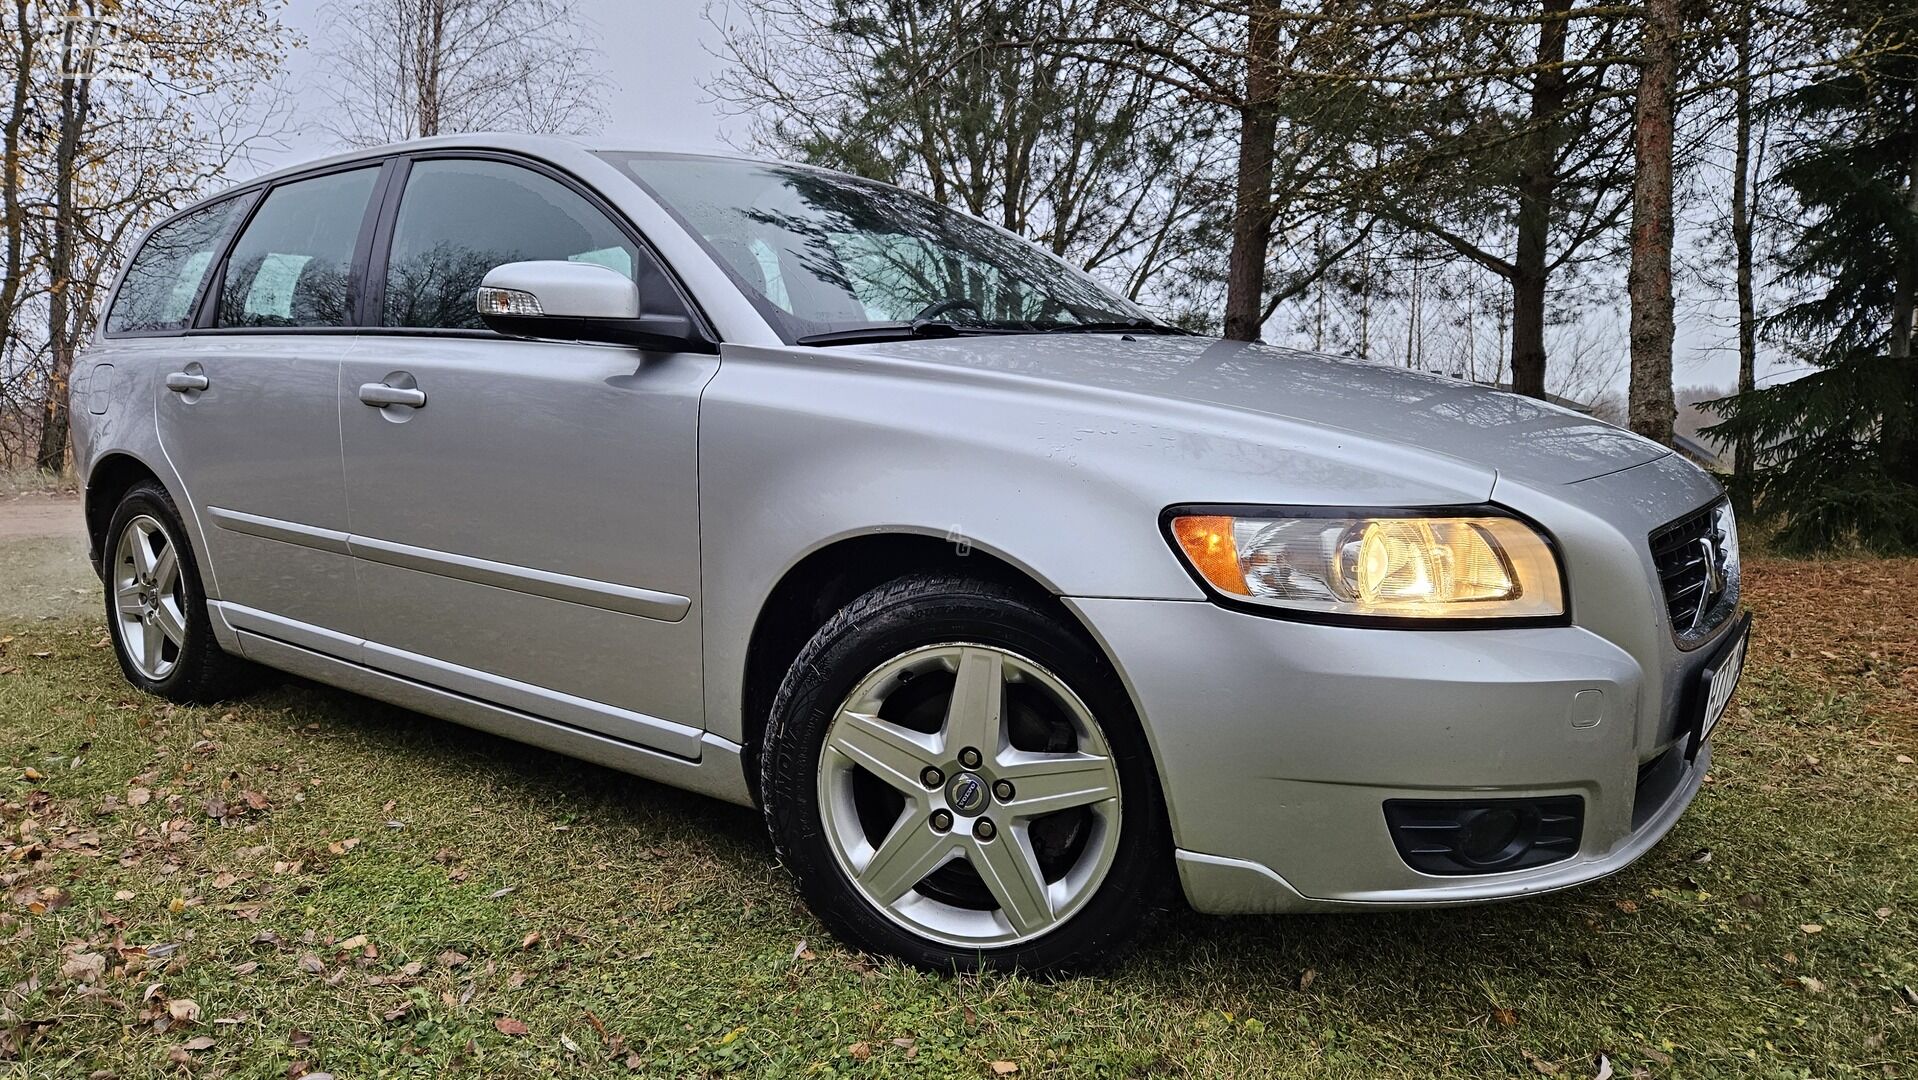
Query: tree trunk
(1538, 180)
(1904, 301)
(1252, 205)
(11, 166)
(432, 53)
(1650, 280)
(1528, 334)
(1742, 453)
(77, 55)
(1900, 441)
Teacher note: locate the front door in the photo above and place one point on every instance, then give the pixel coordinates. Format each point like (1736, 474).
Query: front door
(524, 514)
(249, 415)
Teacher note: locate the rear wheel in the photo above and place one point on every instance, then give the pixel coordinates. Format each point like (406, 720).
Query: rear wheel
(956, 779)
(156, 606)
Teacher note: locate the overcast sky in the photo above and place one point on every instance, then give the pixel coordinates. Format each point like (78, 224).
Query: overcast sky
(657, 53)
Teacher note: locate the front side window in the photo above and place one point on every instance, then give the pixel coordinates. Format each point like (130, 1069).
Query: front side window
(461, 218)
(822, 253)
(293, 264)
(165, 277)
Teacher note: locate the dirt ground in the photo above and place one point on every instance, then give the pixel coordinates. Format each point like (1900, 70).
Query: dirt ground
(39, 517)
(43, 559)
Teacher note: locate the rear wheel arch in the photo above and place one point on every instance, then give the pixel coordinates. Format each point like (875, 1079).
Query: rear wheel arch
(107, 483)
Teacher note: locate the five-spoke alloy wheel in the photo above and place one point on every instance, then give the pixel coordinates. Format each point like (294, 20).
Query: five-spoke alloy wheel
(156, 606)
(1037, 827)
(956, 778)
(149, 596)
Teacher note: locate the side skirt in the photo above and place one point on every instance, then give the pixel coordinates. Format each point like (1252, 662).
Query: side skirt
(719, 772)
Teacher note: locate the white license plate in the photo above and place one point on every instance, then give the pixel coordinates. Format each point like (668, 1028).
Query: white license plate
(1724, 681)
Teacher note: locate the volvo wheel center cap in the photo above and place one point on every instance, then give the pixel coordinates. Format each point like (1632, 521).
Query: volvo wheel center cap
(967, 793)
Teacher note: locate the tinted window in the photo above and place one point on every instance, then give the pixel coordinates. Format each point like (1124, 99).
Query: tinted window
(292, 264)
(460, 219)
(165, 276)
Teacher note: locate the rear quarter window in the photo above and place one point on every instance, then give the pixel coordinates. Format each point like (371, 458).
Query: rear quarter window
(166, 274)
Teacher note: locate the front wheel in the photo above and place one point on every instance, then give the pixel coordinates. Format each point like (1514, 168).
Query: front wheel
(956, 778)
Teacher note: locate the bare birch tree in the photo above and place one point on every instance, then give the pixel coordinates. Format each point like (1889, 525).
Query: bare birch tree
(401, 69)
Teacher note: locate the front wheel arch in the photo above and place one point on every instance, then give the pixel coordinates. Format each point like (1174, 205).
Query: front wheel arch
(817, 586)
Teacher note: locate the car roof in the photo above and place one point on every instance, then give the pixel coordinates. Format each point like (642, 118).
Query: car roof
(538, 146)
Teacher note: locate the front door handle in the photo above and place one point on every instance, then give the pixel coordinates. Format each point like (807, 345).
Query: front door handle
(186, 382)
(380, 395)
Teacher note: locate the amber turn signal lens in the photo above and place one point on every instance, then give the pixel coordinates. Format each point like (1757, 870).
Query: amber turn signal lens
(1208, 543)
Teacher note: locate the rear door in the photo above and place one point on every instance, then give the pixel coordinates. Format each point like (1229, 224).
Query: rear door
(527, 530)
(249, 413)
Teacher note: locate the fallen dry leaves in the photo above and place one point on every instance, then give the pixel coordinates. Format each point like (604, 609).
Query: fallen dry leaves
(1840, 625)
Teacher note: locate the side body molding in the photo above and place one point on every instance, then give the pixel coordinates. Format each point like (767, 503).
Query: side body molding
(553, 708)
(625, 599)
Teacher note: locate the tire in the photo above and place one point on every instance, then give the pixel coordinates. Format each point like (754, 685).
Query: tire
(156, 605)
(1076, 847)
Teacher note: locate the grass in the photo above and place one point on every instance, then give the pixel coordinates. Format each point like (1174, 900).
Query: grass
(308, 882)
(26, 480)
(46, 578)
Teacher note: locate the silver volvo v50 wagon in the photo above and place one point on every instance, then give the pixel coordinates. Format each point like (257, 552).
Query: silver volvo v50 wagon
(1013, 608)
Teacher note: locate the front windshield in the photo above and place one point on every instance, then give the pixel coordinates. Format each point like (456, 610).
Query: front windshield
(822, 253)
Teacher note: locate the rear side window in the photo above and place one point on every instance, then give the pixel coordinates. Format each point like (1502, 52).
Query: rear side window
(461, 218)
(165, 277)
(293, 264)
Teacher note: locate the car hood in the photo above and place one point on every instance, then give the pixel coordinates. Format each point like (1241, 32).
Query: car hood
(1519, 437)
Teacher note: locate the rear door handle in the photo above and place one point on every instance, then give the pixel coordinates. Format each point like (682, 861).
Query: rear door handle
(185, 382)
(380, 395)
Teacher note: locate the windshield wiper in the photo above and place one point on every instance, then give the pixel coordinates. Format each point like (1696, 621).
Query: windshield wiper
(1120, 326)
(901, 331)
(928, 328)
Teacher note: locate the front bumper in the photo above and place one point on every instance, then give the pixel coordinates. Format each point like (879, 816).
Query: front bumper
(1279, 742)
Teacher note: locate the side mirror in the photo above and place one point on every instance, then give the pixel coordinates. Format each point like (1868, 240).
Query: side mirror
(578, 301)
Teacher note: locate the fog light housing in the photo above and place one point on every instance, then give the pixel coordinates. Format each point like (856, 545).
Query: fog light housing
(1483, 836)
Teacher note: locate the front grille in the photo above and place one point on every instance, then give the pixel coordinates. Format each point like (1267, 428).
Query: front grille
(1686, 571)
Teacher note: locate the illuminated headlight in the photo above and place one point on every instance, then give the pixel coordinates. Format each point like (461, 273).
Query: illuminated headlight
(1409, 565)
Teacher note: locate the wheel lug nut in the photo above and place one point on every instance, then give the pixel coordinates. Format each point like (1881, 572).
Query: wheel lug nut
(984, 829)
(932, 777)
(1002, 790)
(969, 758)
(941, 820)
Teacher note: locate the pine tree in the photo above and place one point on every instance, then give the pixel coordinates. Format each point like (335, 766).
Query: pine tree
(1838, 449)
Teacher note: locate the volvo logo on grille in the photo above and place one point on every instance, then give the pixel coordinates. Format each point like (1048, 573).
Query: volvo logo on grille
(1714, 562)
(967, 793)
(1714, 567)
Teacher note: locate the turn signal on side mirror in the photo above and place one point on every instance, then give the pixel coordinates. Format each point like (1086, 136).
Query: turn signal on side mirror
(509, 302)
